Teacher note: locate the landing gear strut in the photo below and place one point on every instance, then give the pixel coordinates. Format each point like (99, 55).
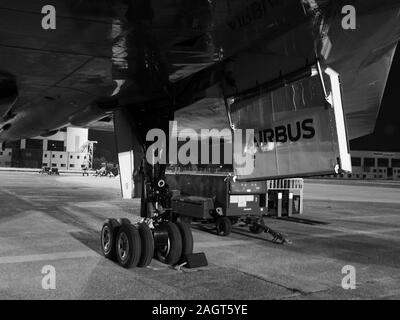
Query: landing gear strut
(156, 235)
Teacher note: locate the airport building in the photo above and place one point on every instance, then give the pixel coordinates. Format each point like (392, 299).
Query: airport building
(374, 165)
(5, 157)
(65, 150)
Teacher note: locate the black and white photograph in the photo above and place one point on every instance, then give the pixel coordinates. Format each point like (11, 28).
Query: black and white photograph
(199, 155)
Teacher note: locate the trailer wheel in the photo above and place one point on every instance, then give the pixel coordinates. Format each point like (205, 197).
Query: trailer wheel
(187, 239)
(255, 226)
(146, 237)
(224, 226)
(171, 252)
(256, 229)
(108, 237)
(128, 246)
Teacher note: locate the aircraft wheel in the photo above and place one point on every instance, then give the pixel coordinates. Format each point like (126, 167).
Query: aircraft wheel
(124, 221)
(171, 252)
(184, 219)
(187, 238)
(224, 226)
(128, 246)
(108, 236)
(147, 239)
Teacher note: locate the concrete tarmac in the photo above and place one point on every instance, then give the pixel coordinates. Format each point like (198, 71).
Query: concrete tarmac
(56, 221)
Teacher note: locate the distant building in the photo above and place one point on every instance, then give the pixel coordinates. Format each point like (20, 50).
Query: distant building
(5, 157)
(63, 150)
(374, 165)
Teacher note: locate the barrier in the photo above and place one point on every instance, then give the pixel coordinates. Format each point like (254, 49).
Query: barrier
(286, 196)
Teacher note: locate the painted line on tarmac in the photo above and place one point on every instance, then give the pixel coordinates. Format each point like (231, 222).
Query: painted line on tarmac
(22, 198)
(217, 244)
(362, 199)
(101, 204)
(343, 232)
(376, 231)
(362, 218)
(49, 257)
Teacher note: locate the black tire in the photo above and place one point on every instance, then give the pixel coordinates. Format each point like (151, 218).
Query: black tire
(171, 253)
(184, 219)
(128, 246)
(122, 221)
(146, 236)
(107, 238)
(224, 226)
(187, 239)
(256, 229)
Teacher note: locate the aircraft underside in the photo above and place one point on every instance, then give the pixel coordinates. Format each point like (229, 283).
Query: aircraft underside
(96, 62)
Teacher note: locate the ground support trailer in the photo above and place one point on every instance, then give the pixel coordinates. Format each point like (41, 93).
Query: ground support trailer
(218, 199)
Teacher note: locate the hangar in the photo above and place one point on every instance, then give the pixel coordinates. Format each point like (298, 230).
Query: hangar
(63, 150)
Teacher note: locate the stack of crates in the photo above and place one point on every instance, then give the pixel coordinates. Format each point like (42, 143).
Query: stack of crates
(285, 197)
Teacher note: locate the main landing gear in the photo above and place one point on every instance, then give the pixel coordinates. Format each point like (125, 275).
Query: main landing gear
(135, 245)
(158, 234)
